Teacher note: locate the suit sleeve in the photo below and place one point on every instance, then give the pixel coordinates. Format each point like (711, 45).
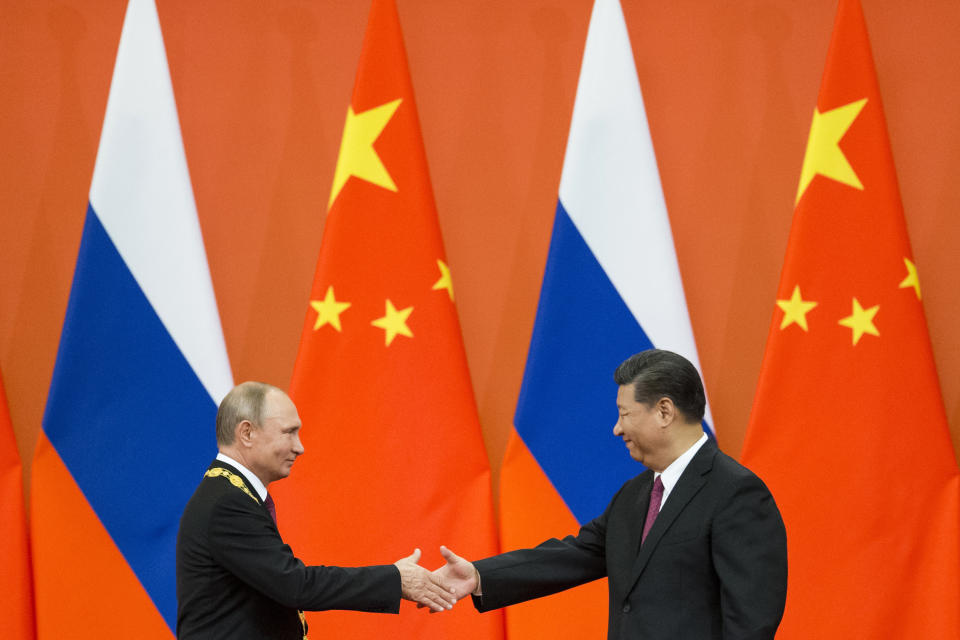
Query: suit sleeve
(245, 541)
(550, 567)
(750, 558)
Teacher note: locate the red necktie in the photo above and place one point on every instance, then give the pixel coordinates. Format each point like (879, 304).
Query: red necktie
(272, 508)
(656, 495)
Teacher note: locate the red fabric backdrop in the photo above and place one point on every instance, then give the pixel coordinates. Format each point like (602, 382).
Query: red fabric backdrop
(262, 89)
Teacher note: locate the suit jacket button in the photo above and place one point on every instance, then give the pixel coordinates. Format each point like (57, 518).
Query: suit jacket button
(626, 608)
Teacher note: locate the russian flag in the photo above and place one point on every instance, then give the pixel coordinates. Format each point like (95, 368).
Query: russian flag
(611, 288)
(129, 423)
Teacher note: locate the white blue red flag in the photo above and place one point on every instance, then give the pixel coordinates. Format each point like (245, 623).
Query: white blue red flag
(611, 288)
(141, 367)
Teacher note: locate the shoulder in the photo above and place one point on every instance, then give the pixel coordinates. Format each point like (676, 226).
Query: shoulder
(735, 487)
(636, 485)
(221, 489)
(733, 472)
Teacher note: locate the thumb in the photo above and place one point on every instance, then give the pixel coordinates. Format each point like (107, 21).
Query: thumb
(448, 555)
(414, 557)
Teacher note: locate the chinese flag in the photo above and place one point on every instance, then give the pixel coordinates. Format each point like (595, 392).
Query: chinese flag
(394, 453)
(16, 585)
(848, 426)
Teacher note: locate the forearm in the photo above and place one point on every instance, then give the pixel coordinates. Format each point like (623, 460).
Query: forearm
(522, 575)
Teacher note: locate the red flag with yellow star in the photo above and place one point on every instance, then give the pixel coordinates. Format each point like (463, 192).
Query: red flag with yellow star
(848, 426)
(16, 584)
(394, 452)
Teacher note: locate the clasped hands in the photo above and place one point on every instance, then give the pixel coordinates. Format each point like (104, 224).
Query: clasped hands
(439, 589)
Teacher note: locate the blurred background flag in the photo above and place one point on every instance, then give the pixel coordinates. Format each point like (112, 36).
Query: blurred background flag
(611, 288)
(394, 453)
(16, 584)
(848, 426)
(129, 423)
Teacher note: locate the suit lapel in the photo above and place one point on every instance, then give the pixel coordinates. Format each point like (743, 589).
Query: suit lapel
(690, 482)
(641, 504)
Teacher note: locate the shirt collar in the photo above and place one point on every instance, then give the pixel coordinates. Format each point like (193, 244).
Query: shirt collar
(250, 476)
(672, 473)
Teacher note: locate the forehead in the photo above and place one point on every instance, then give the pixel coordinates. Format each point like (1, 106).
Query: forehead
(277, 406)
(626, 395)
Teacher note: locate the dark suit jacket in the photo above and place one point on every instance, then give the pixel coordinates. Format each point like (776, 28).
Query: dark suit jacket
(714, 564)
(236, 578)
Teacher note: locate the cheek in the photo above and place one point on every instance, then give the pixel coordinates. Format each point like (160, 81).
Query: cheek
(638, 433)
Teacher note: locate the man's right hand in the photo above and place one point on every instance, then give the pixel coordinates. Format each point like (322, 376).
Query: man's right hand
(458, 574)
(425, 588)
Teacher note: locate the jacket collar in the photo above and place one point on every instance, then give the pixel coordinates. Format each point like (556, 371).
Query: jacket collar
(231, 471)
(689, 484)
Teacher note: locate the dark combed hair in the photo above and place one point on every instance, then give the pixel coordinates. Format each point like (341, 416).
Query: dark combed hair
(657, 374)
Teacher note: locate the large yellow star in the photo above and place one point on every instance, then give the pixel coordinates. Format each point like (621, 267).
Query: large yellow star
(912, 279)
(824, 155)
(445, 281)
(328, 310)
(795, 309)
(394, 322)
(357, 155)
(861, 321)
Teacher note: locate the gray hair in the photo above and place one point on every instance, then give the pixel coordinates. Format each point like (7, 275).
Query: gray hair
(244, 402)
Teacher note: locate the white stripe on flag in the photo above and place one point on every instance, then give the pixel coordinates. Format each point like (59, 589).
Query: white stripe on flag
(610, 187)
(141, 192)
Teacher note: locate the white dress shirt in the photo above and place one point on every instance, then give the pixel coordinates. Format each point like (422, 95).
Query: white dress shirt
(673, 472)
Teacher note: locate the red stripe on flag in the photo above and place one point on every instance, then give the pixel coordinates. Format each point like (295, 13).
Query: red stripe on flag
(532, 511)
(74, 554)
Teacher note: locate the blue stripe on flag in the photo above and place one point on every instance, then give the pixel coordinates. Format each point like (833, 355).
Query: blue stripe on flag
(128, 415)
(567, 406)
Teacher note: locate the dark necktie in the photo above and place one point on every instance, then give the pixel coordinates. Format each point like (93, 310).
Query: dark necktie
(272, 508)
(656, 495)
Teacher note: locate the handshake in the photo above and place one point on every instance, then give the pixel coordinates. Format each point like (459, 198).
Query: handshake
(439, 589)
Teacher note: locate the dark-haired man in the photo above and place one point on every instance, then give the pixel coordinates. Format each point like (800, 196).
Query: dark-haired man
(236, 579)
(694, 547)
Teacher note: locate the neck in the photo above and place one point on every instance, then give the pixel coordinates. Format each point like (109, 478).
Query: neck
(684, 438)
(237, 455)
(234, 454)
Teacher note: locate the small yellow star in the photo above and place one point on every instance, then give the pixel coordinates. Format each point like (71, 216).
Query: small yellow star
(357, 155)
(861, 321)
(912, 279)
(823, 155)
(394, 322)
(328, 310)
(445, 281)
(795, 310)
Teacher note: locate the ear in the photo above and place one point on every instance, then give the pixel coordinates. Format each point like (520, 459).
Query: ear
(666, 411)
(244, 433)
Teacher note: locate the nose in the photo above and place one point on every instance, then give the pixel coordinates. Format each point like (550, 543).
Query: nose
(297, 446)
(617, 431)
